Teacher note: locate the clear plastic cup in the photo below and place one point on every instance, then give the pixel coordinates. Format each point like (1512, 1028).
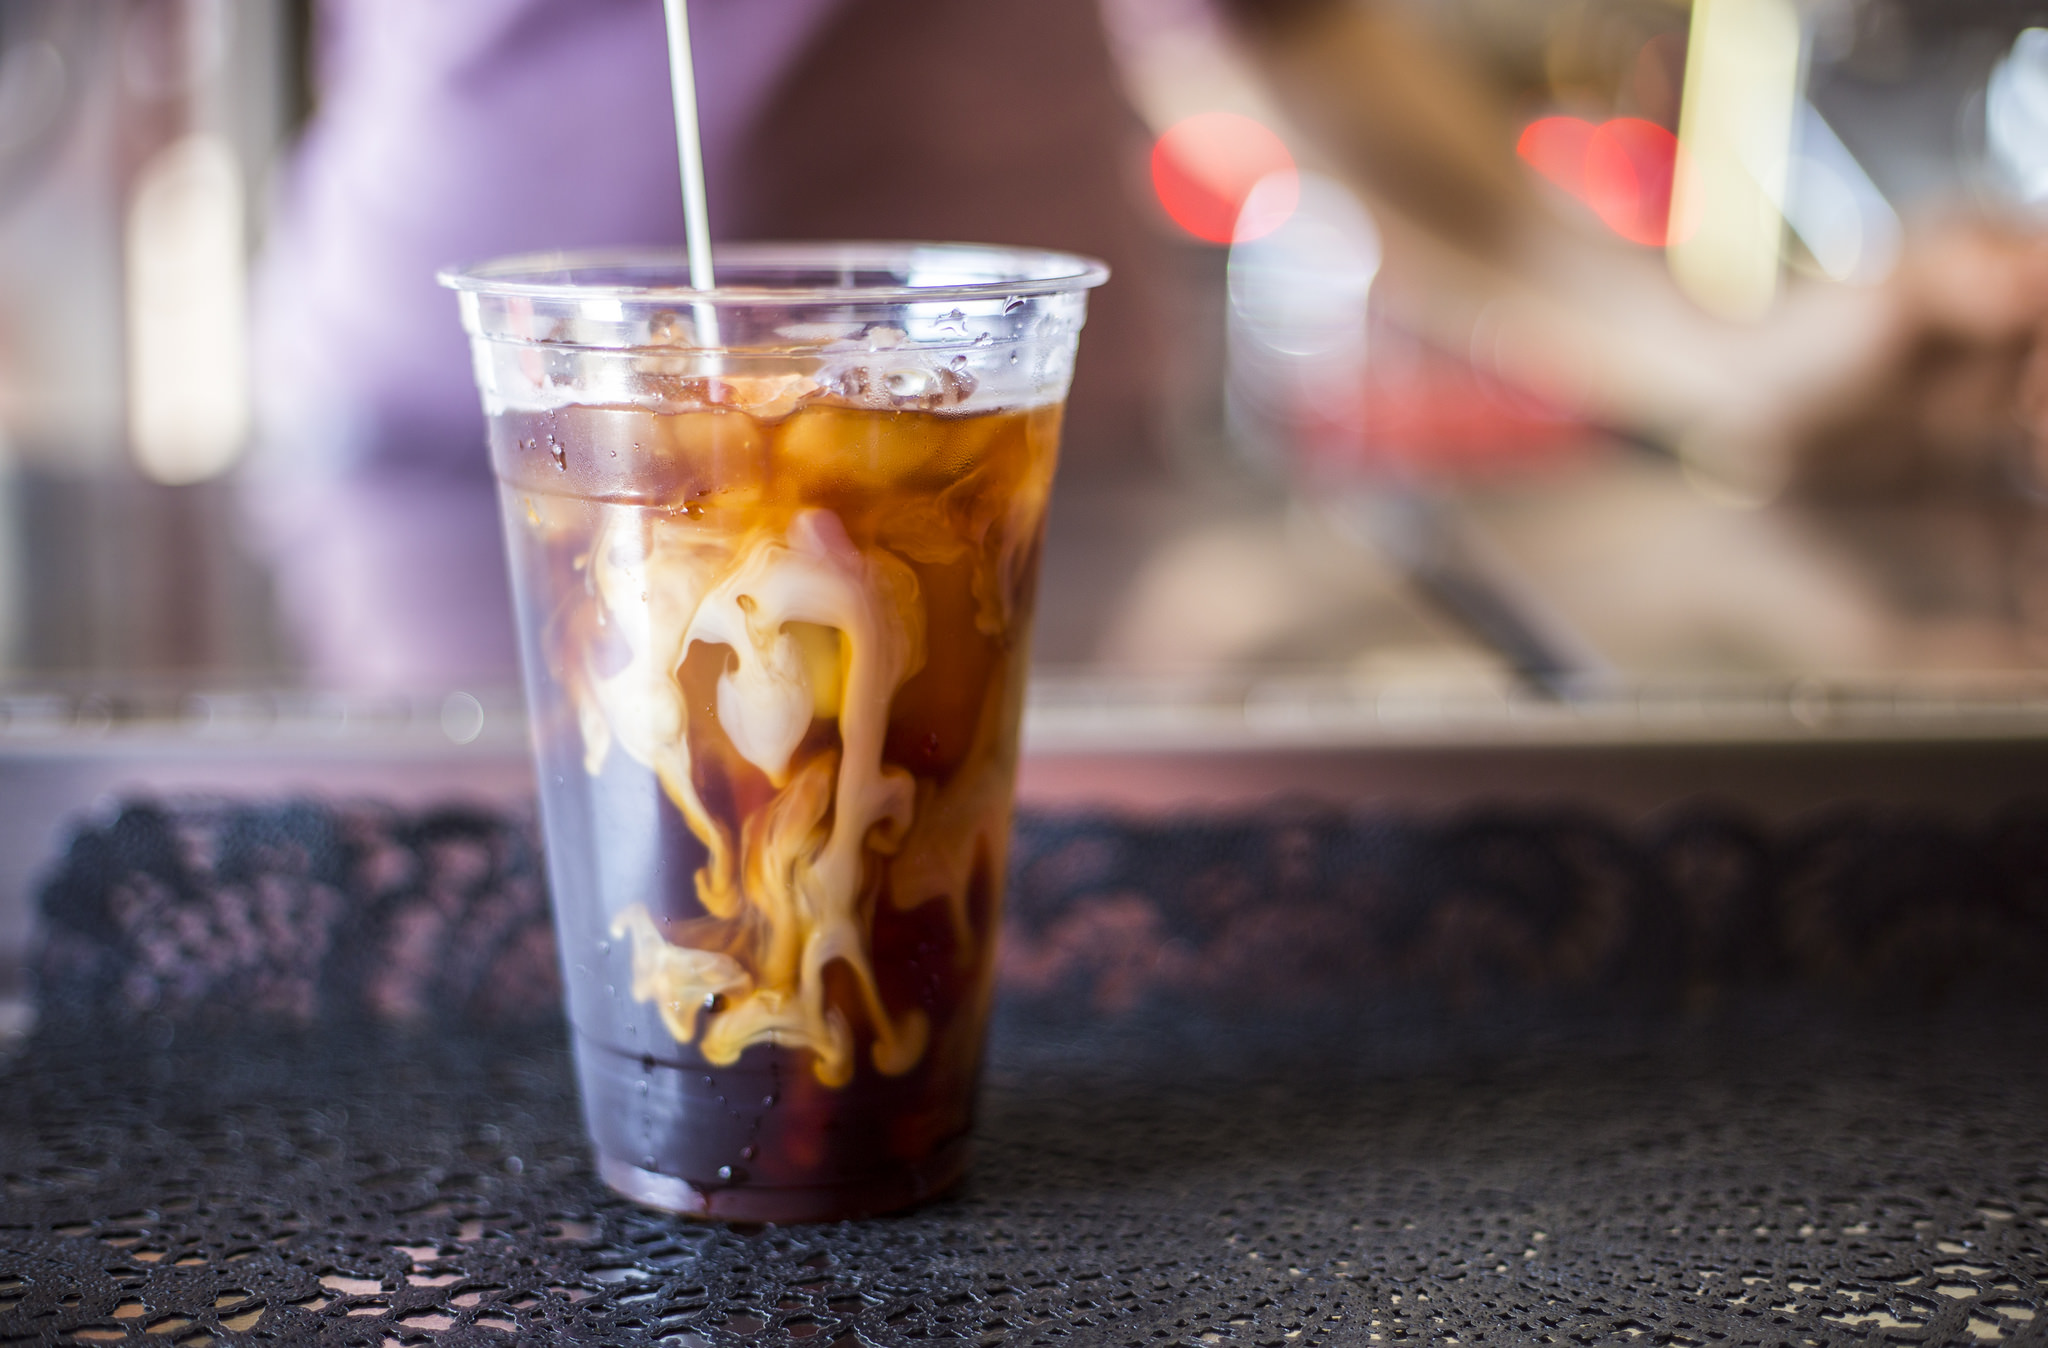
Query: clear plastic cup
(773, 550)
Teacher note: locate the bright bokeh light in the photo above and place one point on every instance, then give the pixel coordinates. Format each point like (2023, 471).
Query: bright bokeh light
(188, 341)
(1621, 169)
(1743, 64)
(2016, 115)
(1629, 169)
(1205, 167)
(1300, 290)
(1848, 227)
(1556, 148)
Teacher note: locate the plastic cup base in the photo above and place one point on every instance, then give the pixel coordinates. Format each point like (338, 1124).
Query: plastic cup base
(870, 1196)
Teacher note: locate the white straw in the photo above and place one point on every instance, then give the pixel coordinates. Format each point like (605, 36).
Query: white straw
(690, 156)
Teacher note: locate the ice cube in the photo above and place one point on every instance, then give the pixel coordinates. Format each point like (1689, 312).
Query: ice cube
(765, 397)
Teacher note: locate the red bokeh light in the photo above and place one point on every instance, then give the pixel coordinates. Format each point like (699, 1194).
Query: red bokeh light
(1623, 169)
(1629, 169)
(1421, 414)
(1556, 148)
(1205, 166)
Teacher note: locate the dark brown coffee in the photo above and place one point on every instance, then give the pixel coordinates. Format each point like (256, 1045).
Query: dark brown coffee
(776, 657)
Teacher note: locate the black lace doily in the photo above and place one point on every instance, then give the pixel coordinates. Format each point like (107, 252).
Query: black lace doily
(1212, 1184)
(1503, 1079)
(306, 913)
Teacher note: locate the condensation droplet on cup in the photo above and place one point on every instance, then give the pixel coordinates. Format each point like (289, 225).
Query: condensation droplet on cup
(462, 717)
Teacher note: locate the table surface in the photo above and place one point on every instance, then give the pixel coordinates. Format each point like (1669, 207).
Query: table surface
(1145, 1179)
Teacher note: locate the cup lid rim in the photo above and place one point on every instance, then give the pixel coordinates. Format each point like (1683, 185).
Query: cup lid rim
(549, 275)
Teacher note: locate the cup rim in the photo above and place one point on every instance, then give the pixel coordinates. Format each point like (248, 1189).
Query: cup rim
(1013, 272)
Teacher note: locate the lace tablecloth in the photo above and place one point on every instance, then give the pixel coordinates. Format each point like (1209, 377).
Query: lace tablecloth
(1502, 1079)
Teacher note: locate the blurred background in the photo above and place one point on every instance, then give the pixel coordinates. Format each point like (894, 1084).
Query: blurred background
(137, 143)
(1577, 374)
(1341, 413)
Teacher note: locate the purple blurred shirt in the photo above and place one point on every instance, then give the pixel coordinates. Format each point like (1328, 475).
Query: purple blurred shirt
(455, 130)
(451, 131)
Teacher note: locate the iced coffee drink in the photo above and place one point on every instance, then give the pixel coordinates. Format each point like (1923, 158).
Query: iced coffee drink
(774, 552)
